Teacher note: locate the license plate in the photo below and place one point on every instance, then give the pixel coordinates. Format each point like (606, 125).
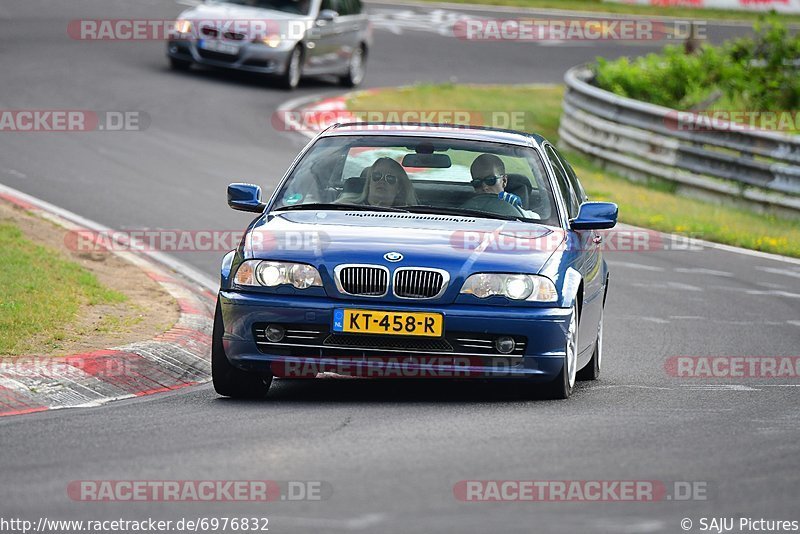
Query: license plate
(388, 323)
(217, 46)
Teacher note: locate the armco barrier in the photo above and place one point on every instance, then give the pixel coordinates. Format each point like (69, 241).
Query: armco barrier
(640, 140)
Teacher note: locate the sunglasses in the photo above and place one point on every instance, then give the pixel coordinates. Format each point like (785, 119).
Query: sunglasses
(489, 180)
(377, 176)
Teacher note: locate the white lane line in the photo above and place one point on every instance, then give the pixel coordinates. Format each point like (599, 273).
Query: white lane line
(16, 174)
(687, 317)
(794, 323)
(784, 272)
(546, 12)
(720, 246)
(699, 270)
(639, 266)
(773, 292)
(719, 387)
(668, 285)
(700, 387)
(656, 320)
(631, 386)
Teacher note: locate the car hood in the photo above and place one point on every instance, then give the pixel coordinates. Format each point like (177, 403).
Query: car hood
(250, 19)
(224, 11)
(460, 245)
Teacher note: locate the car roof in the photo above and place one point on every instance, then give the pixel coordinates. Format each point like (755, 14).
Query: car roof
(445, 131)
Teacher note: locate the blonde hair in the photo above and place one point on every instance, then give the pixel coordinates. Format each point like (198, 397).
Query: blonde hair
(405, 193)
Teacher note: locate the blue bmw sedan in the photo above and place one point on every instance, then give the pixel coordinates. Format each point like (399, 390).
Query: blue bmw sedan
(416, 251)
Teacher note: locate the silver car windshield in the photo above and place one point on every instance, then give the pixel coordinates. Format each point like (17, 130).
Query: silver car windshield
(295, 7)
(421, 175)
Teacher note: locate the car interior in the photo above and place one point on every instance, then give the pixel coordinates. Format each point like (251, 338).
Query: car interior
(458, 194)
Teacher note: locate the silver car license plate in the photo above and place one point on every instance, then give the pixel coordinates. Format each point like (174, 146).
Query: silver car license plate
(218, 46)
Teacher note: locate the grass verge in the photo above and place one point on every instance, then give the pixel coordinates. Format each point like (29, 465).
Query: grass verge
(628, 9)
(41, 292)
(639, 204)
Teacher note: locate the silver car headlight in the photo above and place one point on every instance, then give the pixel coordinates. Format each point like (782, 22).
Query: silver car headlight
(272, 41)
(276, 273)
(512, 286)
(183, 26)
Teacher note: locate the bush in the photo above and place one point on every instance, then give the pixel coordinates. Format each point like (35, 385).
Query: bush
(759, 74)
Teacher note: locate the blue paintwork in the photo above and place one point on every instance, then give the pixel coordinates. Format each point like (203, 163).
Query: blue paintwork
(595, 216)
(245, 197)
(572, 259)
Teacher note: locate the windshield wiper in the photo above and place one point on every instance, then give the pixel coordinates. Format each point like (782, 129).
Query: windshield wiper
(440, 210)
(339, 207)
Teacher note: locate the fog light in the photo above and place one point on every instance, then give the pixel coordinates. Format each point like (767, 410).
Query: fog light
(173, 49)
(274, 333)
(505, 344)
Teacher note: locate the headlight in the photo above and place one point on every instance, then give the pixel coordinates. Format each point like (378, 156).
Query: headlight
(271, 41)
(512, 286)
(275, 273)
(183, 26)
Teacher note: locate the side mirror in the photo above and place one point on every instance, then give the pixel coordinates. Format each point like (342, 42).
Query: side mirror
(245, 197)
(325, 16)
(595, 216)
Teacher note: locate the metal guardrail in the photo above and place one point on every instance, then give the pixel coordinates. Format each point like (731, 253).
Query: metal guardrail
(644, 140)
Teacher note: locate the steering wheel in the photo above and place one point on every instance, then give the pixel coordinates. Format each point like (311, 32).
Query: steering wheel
(490, 203)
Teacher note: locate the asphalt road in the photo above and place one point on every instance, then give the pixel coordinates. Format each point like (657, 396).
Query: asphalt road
(391, 453)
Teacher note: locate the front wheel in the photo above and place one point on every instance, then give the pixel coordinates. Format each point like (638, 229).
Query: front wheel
(356, 68)
(290, 78)
(561, 387)
(592, 369)
(228, 380)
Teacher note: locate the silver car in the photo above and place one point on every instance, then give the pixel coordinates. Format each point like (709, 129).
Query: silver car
(284, 38)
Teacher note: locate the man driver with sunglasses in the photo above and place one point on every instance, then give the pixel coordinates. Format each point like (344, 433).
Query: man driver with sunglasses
(489, 177)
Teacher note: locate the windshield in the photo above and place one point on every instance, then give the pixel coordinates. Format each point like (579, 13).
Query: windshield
(421, 175)
(295, 7)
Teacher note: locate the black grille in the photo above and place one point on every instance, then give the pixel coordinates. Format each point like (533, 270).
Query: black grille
(318, 340)
(217, 56)
(472, 343)
(364, 281)
(418, 283)
(209, 32)
(233, 36)
(392, 343)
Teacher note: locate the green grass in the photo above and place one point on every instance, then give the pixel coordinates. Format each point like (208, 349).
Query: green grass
(40, 293)
(599, 6)
(652, 206)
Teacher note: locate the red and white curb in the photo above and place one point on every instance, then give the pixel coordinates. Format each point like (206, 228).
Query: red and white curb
(310, 115)
(174, 359)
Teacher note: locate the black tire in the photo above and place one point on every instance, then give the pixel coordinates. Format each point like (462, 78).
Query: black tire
(356, 68)
(592, 369)
(179, 64)
(290, 78)
(228, 380)
(562, 386)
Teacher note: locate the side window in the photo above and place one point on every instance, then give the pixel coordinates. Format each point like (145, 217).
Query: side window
(356, 7)
(327, 4)
(573, 178)
(563, 184)
(343, 7)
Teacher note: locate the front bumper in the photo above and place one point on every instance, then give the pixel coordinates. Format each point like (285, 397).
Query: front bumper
(251, 57)
(539, 356)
